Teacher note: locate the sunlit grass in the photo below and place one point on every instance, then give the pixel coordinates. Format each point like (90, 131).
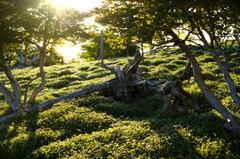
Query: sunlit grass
(94, 126)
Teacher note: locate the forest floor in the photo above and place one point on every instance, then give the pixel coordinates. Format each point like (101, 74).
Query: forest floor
(94, 126)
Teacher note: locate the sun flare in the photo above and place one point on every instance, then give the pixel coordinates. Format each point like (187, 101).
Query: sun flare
(60, 3)
(69, 51)
(81, 5)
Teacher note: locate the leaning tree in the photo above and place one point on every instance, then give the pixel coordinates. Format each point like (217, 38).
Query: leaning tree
(40, 25)
(159, 21)
(216, 25)
(9, 13)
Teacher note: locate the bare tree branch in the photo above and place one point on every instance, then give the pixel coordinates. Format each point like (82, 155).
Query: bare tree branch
(34, 59)
(26, 91)
(57, 100)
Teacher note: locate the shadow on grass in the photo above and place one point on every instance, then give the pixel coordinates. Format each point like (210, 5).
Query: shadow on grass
(179, 146)
(17, 134)
(6, 110)
(188, 136)
(194, 135)
(22, 135)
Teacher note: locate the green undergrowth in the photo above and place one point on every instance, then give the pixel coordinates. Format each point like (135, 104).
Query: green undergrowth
(94, 126)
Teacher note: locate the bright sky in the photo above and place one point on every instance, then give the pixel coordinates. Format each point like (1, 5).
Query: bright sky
(81, 5)
(69, 51)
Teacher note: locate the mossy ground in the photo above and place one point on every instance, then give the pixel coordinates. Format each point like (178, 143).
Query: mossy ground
(94, 126)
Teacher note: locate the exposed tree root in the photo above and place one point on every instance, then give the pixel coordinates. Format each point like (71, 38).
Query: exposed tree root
(129, 84)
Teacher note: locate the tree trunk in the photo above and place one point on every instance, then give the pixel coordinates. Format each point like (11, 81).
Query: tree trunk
(238, 41)
(42, 75)
(223, 66)
(233, 122)
(23, 61)
(129, 84)
(85, 91)
(13, 98)
(50, 59)
(25, 55)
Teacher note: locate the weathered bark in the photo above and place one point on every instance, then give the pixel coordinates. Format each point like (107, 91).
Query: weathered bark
(36, 57)
(182, 100)
(10, 97)
(173, 91)
(188, 73)
(223, 65)
(26, 90)
(129, 84)
(85, 91)
(42, 75)
(23, 60)
(13, 99)
(125, 86)
(233, 122)
(51, 54)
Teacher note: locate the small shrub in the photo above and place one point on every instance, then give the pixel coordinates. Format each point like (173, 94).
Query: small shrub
(58, 84)
(207, 59)
(65, 72)
(84, 68)
(179, 62)
(179, 71)
(58, 93)
(123, 140)
(70, 77)
(99, 70)
(183, 58)
(74, 120)
(147, 63)
(97, 75)
(92, 68)
(144, 69)
(82, 75)
(171, 66)
(159, 62)
(19, 78)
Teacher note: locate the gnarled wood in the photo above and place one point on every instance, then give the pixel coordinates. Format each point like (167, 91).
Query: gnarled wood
(233, 122)
(182, 100)
(43, 78)
(13, 98)
(23, 62)
(82, 92)
(129, 84)
(188, 73)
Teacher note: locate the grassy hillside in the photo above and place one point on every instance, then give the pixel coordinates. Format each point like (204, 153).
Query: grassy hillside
(94, 126)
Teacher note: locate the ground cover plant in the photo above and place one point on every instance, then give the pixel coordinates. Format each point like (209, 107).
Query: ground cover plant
(95, 126)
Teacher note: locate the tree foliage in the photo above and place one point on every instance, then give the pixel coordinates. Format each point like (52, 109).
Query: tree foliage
(114, 46)
(39, 25)
(177, 22)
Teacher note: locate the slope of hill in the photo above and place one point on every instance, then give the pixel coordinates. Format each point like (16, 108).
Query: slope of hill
(94, 126)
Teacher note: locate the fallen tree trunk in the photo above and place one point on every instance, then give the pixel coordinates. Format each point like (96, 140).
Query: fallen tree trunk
(127, 85)
(85, 91)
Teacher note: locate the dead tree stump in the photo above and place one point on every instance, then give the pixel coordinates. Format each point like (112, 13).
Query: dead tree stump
(128, 84)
